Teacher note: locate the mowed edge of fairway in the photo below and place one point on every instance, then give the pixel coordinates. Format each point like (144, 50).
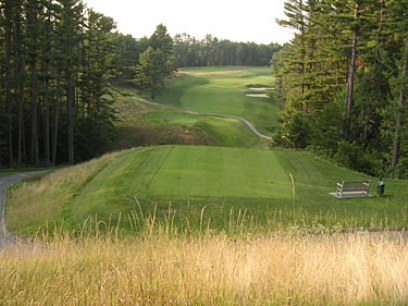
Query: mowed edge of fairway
(221, 172)
(180, 173)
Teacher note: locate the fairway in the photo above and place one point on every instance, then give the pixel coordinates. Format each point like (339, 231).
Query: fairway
(219, 91)
(224, 93)
(221, 172)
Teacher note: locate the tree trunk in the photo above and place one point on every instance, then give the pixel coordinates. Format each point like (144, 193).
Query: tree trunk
(8, 32)
(34, 116)
(19, 65)
(55, 123)
(70, 114)
(47, 117)
(350, 78)
(47, 98)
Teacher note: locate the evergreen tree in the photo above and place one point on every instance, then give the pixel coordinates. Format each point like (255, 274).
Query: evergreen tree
(344, 50)
(127, 57)
(71, 23)
(95, 114)
(150, 72)
(156, 63)
(398, 11)
(162, 41)
(183, 49)
(41, 80)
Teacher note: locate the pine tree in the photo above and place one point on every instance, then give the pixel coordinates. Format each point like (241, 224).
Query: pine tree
(70, 36)
(161, 40)
(94, 114)
(33, 9)
(6, 81)
(399, 11)
(149, 72)
(127, 53)
(156, 63)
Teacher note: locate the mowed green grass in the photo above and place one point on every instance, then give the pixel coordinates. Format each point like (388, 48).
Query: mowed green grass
(183, 176)
(270, 190)
(220, 172)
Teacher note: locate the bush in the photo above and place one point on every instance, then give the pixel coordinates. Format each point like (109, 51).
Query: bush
(296, 130)
(401, 170)
(350, 155)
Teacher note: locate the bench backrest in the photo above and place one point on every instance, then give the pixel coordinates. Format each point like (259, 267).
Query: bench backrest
(356, 186)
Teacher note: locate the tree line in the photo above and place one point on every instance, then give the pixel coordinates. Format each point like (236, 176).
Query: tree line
(211, 51)
(61, 64)
(55, 62)
(161, 55)
(342, 82)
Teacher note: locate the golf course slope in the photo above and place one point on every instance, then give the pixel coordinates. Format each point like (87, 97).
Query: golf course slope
(274, 188)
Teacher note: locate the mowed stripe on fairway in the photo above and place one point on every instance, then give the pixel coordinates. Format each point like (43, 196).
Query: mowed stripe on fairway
(221, 172)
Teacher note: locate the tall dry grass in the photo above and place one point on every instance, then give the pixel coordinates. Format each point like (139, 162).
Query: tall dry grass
(45, 199)
(163, 269)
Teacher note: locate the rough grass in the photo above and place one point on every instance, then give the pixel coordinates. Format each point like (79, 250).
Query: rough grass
(146, 124)
(47, 198)
(159, 269)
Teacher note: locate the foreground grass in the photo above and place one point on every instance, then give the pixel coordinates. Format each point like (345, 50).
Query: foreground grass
(163, 268)
(47, 198)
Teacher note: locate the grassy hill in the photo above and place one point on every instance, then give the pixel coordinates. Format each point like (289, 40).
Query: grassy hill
(267, 190)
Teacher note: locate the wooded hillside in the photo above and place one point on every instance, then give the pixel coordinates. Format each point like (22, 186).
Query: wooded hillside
(61, 64)
(56, 58)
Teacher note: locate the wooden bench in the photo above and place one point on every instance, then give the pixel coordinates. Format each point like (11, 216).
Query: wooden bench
(352, 190)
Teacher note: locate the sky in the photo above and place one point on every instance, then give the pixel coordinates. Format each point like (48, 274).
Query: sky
(238, 21)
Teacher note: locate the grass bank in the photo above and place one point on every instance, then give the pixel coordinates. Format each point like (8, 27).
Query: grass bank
(203, 187)
(145, 124)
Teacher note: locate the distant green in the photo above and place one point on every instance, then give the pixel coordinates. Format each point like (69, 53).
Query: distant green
(223, 91)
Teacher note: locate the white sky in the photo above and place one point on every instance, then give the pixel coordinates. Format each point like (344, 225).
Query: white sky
(238, 21)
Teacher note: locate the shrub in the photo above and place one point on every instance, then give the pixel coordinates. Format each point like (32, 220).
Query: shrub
(401, 170)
